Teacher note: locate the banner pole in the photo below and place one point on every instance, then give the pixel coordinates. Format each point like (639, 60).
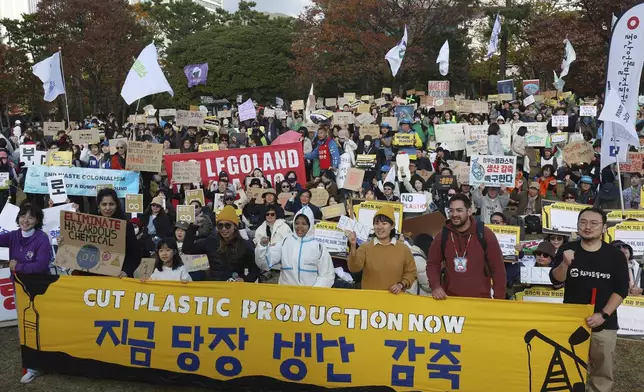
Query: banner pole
(619, 178)
(62, 71)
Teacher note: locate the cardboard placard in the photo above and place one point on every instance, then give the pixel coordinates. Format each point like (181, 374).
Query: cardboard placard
(134, 204)
(493, 98)
(186, 213)
(364, 108)
(633, 164)
(319, 197)
(354, 179)
(549, 94)
(445, 104)
(168, 113)
(57, 189)
(411, 92)
(365, 118)
(283, 198)
(186, 172)
(151, 121)
(145, 269)
(333, 211)
(343, 118)
(330, 102)
(578, 152)
(372, 130)
(59, 158)
(140, 118)
(195, 194)
(392, 121)
(91, 243)
(144, 156)
(208, 147)
(224, 114)
(461, 170)
(52, 128)
(350, 96)
(86, 136)
(297, 105)
(430, 224)
(190, 118)
(255, 193)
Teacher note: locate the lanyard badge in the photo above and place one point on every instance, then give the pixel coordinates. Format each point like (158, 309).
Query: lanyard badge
(460, 262)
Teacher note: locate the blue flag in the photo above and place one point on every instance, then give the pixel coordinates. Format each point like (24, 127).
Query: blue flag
(196, 74)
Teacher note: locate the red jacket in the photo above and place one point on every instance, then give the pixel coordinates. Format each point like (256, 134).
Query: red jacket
(472, 282)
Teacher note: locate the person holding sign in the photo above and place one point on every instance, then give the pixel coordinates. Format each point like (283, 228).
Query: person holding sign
(407, 140)
(303, 261)
(156, 221)
(118, 159)
(229, 255)
(386, 264)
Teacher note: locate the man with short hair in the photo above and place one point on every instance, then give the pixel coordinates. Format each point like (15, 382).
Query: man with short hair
(592, 270)
(471, 253)
(529, 202)
(632, 194)
(494, 201)
(325, 154)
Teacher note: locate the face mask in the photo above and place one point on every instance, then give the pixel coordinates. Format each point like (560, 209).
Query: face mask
(367, 143)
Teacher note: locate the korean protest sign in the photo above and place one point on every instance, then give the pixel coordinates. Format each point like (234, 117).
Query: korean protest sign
(189, 118)
(250, 330)
(91, 243)
(578, 152)
(491, 170)
(508, 237)
(451, 136)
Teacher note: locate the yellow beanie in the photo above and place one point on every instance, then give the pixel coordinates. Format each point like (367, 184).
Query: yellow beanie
(228, 214)
(387, 211)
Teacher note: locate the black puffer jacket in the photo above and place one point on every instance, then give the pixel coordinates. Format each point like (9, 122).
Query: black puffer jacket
(222, 266)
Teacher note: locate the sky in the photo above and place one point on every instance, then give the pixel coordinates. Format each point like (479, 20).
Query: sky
(288, 7)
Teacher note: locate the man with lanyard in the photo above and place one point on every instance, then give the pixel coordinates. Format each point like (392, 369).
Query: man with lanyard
(594, 272)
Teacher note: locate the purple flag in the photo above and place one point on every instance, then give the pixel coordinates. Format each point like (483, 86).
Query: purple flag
(196, 74)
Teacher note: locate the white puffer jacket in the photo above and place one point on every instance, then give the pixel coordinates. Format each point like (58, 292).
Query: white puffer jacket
(421, 285)
(302, 261)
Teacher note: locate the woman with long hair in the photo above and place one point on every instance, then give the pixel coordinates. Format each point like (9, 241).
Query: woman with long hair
(229, 255)
(156, 221)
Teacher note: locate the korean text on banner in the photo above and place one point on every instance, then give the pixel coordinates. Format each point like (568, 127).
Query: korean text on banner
(7, 299)
(631, 233)
(367, 210)
(493, 170)
(82, 181)
(32, 157)
(578, 152)
(508, 237)
(333, 238)
(253, 330)
(274, 161)
(190, 118)
(143, 156)
(452, 136)
(57, 189)
(92, 243)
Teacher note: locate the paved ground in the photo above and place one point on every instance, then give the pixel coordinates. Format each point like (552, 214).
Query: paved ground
(629, 376)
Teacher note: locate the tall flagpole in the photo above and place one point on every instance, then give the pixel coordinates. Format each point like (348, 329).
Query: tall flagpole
(619, 176)
(62, 71)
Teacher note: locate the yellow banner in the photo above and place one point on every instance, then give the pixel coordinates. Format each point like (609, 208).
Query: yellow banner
(198, 333)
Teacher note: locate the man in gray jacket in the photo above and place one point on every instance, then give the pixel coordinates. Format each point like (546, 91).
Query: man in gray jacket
(495, 200)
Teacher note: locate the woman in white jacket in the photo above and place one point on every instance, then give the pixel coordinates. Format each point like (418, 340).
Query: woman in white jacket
(494, 144)
(274, 229)
(301, 258)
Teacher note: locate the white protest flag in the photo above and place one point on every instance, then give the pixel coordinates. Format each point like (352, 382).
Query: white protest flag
(443, 59)
(397, 53)
(49, 72)
(558, 83)
(310, 105)
(145, 77)
(569, 57)
(494, 38)
(613, 21)
(614, 148)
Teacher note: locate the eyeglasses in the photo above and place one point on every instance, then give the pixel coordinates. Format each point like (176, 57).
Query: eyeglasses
(497, 222)
(291, 179)
(224, 226)
(540, 254)
(270, 214)
(155, 205)
(590, 224)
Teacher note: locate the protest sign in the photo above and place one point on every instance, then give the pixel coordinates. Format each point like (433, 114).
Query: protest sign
(508, 237)
(451, 136)
(139, 118)
(32, 157)
(386, 90)
(354, 179)
(493, 98)
(208, 147)
(330, 102)
(559, 137)
(493, 170)
(334, 239)
(347, 224)
(52, 128)
(529, 100)
(186, 213)
(186, 172)
(392, 121)
(590, 111)
(537, 133)
(57, 189)
(505, 97)
(560, 217)
(631, 233)
(342, 102)
(247, 110)
(438, 88)
(82, 181)
(145, 269)
(256, 194)
(634, 163)
(151, 121)
(476, 139)
(363, 108)
(297, 105)
(189, 118)
(195, 194)
(86, 136)
(8, 313)
(445, 104)
(559, 121)
(535, 275)
(59, 158)
(531, 87)
(5, 180)
(365, 118)
(367, 210)
(269, 112)
(366, 162)
(168, 113)
(372, 130)
(414, 202)
(506, 87)
(461, 170)
(333, 211)
(578, 152)
(144, 156)
(350, 96)
(319, 197)
(92, 243)
(411, 92)
(343, 118)
(405, 139)
(134, 204)
(380, 101)
(224, 114)
(444, 183)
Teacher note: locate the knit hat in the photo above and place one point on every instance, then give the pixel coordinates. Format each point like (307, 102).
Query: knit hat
(547, 248)
(387, 211)
(228, 214)
(157, 200)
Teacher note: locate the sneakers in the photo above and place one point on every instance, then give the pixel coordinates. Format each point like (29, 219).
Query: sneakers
(30, 375)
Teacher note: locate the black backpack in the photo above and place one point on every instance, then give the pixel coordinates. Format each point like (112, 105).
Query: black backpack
(480, 234)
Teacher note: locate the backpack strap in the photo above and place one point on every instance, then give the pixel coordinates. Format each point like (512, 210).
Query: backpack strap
(444, 235)
(480, 234)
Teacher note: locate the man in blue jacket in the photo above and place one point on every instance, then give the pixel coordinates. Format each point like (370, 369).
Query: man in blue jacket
(325, 154)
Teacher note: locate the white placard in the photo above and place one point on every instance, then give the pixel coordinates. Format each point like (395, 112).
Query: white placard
(362, 231)
(269, 113)
(451, 135)
(492, 170)
(32, 157)
(590, 111)
(529, 100)
(334, 241)
(168, 113)
(559, 121)
(414, 202)
(57, 189)
(247, 110)
(536, 275)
